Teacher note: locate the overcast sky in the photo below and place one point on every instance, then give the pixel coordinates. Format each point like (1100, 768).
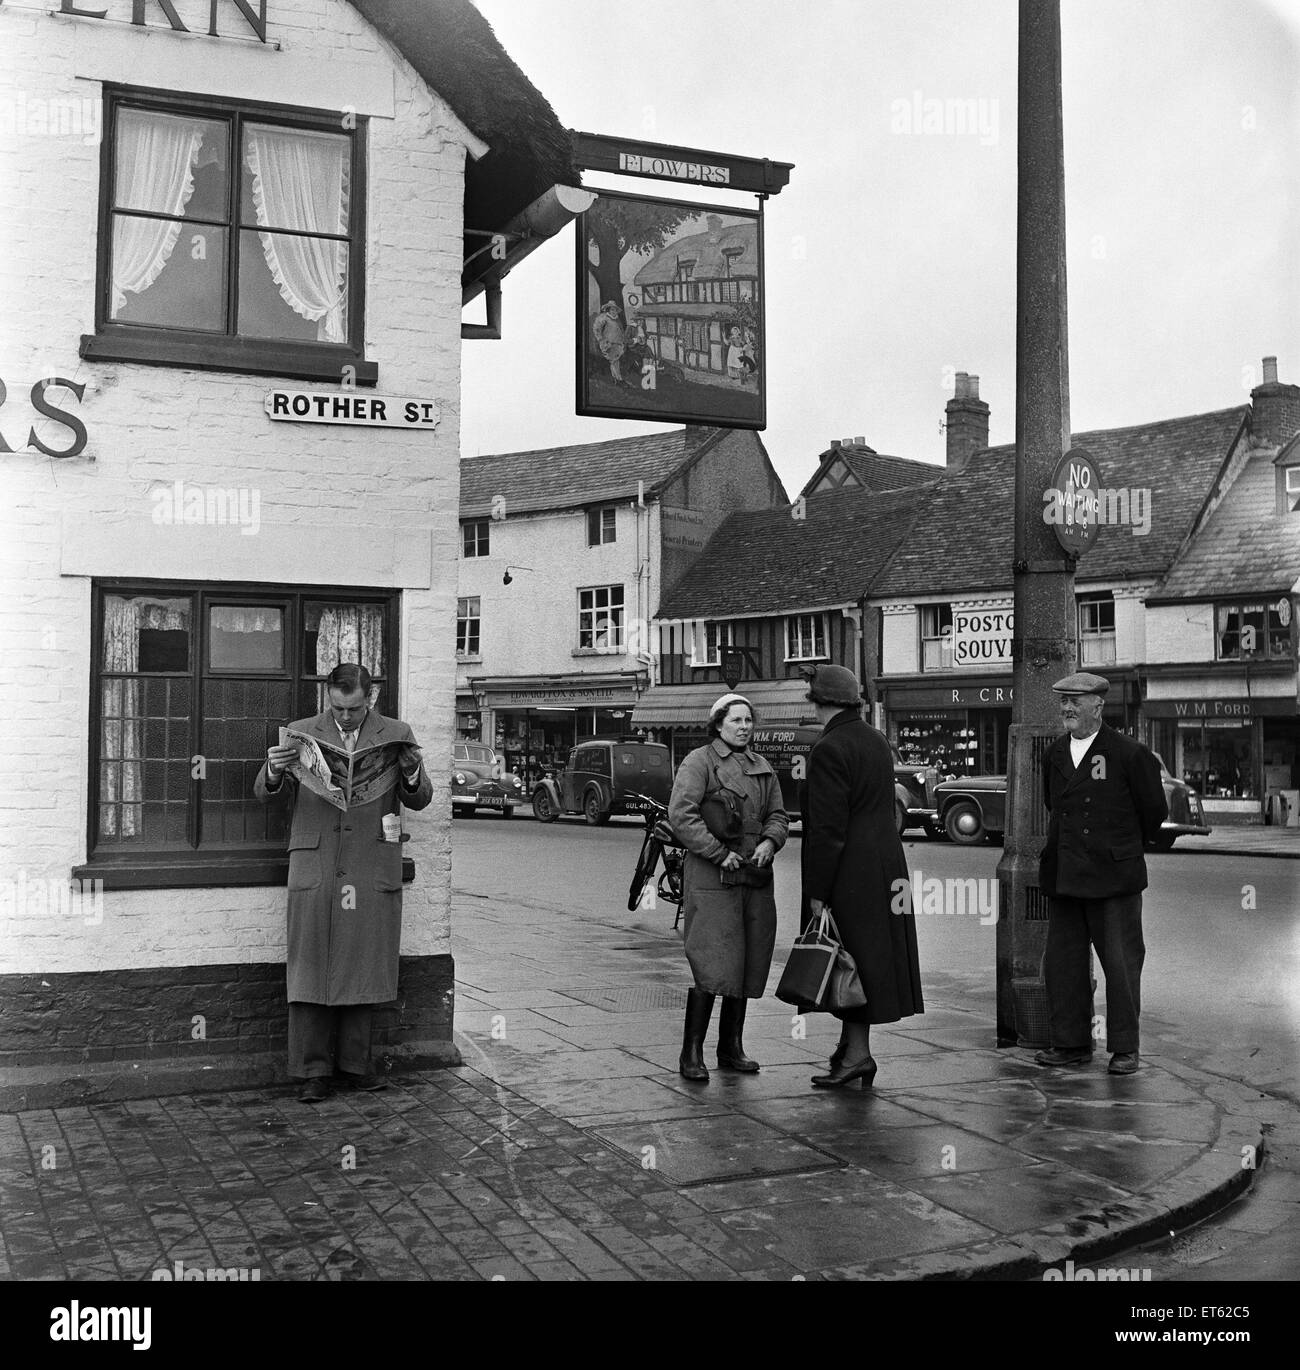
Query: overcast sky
(891, 253)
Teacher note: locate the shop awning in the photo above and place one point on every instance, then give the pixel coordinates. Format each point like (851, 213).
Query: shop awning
(687, 706)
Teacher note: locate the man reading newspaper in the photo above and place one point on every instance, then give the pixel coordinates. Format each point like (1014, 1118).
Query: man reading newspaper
(346, 775)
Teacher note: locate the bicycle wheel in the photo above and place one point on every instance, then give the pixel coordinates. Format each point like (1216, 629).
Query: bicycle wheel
(645, 868)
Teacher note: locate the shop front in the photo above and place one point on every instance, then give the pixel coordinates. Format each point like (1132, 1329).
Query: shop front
(678, 714)
(533, 722)
(959, 727)
(1241, 755)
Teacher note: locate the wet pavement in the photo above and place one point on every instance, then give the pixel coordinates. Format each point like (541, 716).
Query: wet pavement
(567, 1146)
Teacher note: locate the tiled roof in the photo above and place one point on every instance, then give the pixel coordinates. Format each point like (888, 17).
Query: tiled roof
(759, 562)
(1245, 546)
(568, 477)
(963, 536)
(876, 470)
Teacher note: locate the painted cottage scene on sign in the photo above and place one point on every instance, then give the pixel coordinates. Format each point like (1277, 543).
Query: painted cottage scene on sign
(670, 313)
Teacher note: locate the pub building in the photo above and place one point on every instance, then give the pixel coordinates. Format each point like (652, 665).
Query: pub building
(563, 553)
(240, 237)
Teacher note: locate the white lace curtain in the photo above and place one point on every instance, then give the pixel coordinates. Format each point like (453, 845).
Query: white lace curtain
(155, 171)
(350, 632)
(300, 181)
(121, 741)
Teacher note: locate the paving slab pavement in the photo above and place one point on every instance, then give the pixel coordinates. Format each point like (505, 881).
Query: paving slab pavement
(567, 1147)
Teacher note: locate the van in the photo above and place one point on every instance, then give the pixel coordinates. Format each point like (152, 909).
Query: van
(603, 777)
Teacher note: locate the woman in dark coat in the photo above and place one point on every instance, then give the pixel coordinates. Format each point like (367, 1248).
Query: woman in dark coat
(726, 811)
(853, 864)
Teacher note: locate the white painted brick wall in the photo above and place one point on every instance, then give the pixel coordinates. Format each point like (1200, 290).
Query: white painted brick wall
(370, 507)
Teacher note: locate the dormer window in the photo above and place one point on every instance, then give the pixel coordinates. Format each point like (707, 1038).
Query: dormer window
(1291, 492)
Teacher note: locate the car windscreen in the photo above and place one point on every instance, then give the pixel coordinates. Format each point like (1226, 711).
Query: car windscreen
(479, 754)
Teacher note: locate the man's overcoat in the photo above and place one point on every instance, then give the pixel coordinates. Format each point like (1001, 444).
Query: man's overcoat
(852, 859)
(345, 881)
(1102, 812)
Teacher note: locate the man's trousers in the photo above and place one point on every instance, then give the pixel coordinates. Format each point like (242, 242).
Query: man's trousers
(1114, 928)
(310, 1026)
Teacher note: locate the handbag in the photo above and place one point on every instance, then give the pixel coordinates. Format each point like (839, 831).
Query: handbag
(756, 877)
(819, 973)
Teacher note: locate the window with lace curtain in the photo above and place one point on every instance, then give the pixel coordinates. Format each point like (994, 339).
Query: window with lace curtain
(230, 237)
(191, 687)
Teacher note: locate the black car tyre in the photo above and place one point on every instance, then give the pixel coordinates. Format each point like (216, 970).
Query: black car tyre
(964, 823)
(507, 811)
(900, 818)
(1165, 842)
(593, 810)
(544, 809)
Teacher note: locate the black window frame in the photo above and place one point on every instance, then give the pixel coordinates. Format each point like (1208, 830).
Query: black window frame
(262, 863)
(476, 533)
(1264, 651)
(465, 617)
(156, 345)
(598, 517)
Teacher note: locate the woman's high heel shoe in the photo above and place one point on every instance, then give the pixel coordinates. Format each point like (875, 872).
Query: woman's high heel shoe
(864, 1070)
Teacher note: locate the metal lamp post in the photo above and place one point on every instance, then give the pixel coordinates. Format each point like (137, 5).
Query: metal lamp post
(1043, 646)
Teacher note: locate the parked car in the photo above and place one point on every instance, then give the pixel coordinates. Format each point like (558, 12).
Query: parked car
(786, 750)
(479, 781)
(973, 808)
(604, 777)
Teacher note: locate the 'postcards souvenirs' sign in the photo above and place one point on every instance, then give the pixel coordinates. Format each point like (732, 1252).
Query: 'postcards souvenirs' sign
(670, 313)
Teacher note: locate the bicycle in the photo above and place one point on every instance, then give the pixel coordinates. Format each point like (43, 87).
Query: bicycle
(659, 841)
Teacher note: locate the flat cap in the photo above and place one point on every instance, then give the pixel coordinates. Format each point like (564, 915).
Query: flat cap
(1082, 683)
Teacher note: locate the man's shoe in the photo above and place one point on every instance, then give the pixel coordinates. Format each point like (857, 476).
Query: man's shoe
(1123, 1063)
(368, 1081)
(1064, 1056)
(315, 1091)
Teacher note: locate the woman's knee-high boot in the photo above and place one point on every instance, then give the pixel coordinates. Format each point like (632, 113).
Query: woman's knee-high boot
(699, 1009)
(731, 1024)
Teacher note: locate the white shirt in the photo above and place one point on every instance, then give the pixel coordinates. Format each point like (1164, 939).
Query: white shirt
(1079, 747)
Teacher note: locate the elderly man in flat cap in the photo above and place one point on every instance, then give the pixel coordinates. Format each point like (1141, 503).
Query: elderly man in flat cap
(1106, 801)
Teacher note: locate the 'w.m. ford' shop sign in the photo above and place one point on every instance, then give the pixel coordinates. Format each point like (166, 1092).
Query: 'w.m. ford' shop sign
(981, 637)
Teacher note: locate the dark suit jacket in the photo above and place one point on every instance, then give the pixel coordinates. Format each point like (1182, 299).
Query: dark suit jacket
(1102, 814)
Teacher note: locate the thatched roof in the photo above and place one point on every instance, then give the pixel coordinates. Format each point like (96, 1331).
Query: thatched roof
(453, 48)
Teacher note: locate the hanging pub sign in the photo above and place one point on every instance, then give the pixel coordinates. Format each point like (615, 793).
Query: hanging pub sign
(670, 313)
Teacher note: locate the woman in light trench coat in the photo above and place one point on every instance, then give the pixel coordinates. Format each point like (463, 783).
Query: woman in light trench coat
(726, 811)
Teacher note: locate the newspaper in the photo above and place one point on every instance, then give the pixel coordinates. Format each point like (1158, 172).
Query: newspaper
(311, 768)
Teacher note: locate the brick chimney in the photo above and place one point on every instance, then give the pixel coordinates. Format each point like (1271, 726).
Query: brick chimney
(1275, 408)
(967, 420)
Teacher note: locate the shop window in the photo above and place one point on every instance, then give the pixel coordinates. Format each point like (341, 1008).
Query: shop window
(1097, 630)
(805, 637)
(474, 538)
(600, 525)
(708, 641)
(230, 239)
(190, 688)
(1217, 761)
(600, 619)
(1252, 631)
(467, 626)
(936, 637)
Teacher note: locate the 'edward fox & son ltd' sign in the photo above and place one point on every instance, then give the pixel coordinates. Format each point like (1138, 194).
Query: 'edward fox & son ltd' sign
(167, 10)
